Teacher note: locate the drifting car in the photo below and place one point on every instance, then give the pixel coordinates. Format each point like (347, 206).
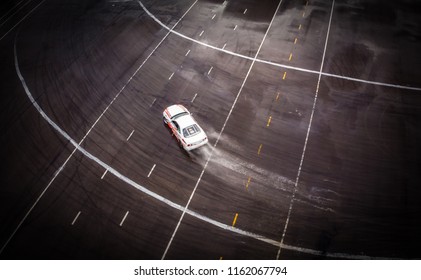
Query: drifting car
(185, 128)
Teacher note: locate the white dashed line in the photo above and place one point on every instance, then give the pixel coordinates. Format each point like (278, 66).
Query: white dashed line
(187, 53)
(214, 16)
(210, 70)
(62, 132)
(245, 11)
(201, 33)
(224, 46)
(103, 175)
(235, 27)
(77, 216)
(124, 218)
(150, 172)
(153, 102)
(130, 135)
(171, 76)
(194, 97)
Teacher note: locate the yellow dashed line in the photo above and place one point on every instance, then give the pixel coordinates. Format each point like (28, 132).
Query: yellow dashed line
(290, 57)
(299, 27)
(285, 75)
(260, 148)
(295, 41)
(277, 96)
(304, 13)
(248, 183)
(235, 219)
(270, 118)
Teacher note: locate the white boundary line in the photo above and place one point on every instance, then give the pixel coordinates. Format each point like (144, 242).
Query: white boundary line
(307, 136)
(275, 63)
(219, 136)
(157, 196)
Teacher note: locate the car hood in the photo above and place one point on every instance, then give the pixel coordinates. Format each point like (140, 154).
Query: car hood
(174, 110)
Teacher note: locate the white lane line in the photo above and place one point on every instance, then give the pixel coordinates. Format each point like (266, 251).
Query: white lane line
(9, 17)
(153, 102)
(130, 135)
(274, 63)
(171, 76)
(201, 33)
(210, 70)
(30, 12)
(124, 218)
(245, 11)
(187, 53)
(194, 97)
(291, 204)
(11, 9)
(220, 133)
(160, 198)
(77, 216)
(150, 172)
(214, 16)
(103, 175)
(62, 132)
(152, 194)
(235, 27)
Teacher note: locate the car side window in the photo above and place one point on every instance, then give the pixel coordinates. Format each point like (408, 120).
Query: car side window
(177, 126)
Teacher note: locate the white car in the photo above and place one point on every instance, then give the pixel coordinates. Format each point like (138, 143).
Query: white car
(188, 132)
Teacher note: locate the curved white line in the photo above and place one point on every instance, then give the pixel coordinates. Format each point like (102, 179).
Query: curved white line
(275, 63)
(165, 200)
(124, 178)
(155, 195)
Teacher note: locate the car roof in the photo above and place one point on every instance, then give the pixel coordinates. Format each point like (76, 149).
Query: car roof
(185, 121)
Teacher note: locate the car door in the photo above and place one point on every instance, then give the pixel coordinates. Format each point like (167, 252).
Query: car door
(177, 130)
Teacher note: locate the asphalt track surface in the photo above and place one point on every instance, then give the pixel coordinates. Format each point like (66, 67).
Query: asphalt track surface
(312, 108)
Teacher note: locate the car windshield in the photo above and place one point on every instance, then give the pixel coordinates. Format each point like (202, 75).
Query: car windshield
(191, 130)
(179, 115)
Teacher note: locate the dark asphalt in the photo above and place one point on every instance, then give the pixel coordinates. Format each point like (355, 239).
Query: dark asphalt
(333, 177)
